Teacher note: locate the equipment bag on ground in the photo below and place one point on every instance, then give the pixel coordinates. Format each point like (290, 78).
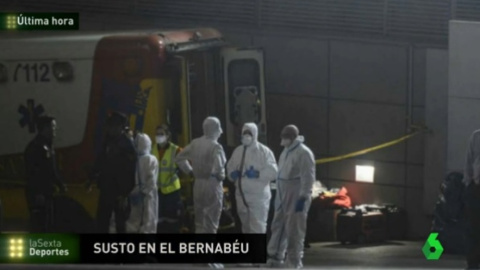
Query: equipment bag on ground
(356, 226)
(396, 220)
(321, 222)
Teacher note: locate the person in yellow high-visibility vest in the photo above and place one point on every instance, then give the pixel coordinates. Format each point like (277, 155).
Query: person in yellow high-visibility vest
(169, 196)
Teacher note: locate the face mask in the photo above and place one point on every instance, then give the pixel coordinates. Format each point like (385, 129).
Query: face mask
(247, 140)
(286, 142)
(160, 139)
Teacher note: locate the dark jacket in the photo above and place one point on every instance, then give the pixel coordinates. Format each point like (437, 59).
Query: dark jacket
(115, 167)
(41, 167)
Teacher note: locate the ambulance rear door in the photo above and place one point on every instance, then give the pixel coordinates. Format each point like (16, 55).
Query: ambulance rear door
(244, 86)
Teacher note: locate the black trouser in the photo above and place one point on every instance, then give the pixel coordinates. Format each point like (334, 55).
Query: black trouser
(40, 207)
(233, 202)
(169, 212)
(473, 226)
(107, 204)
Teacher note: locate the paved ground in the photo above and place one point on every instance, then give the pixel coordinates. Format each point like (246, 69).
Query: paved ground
(387, 255)
(390, 255)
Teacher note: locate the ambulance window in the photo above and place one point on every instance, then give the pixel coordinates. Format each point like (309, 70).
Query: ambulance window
(173, 100)
(244, 91)
(175, 116)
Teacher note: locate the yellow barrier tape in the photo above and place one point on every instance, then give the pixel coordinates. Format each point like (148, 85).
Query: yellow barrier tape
(318, 161)
(368, 150)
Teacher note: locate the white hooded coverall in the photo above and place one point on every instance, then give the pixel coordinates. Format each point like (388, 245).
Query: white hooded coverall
(296, 176)
(256, 190)
(144, 197)
(206, 158)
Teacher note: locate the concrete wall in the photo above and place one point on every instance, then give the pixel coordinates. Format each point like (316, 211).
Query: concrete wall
(463, 89)
(436, 114)
(346, 96)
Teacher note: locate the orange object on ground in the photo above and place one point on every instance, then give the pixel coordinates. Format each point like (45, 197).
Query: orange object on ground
(338, 200)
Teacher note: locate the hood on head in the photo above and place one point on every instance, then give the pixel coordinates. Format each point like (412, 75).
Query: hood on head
(143, 144)
(252, 127)
(290, 132)
(212, 127)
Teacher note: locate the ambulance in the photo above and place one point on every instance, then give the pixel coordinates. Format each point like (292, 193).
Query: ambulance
(177, 77)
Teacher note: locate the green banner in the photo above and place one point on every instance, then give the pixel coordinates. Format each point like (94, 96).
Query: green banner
(39, 21)
(39, 248)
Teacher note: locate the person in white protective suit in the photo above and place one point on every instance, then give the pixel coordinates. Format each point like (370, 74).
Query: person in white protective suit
(204, 159)
(296, 176)
(252, 167)
(144, 197)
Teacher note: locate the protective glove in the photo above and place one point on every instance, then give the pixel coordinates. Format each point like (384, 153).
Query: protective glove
(300, 205)
(251, 173)
(235, 175)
